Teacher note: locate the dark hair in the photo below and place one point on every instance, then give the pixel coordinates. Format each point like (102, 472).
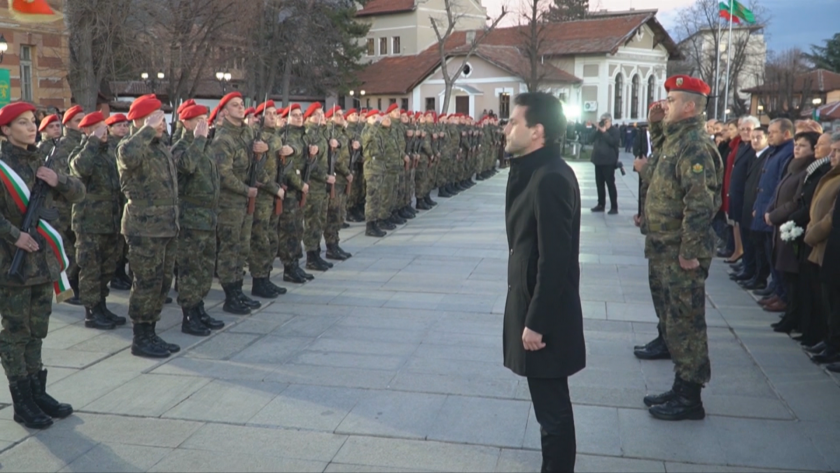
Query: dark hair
(761, 128)
(734, 121)
(811, 136)
(546, 110)
(784, 124)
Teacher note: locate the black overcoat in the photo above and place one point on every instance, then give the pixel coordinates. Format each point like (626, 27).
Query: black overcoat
(542, 214)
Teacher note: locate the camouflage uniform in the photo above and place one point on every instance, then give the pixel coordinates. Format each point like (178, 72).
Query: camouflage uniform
(356, 199)
(683, 197)
(395, 181)
(290, 223)
(96, 220)
(25, 307)
(407, 187)
(198, 202)
(378, 143)
(315, 211)
(424, 173)
(150, 220)
(337, 207)
(264, 241)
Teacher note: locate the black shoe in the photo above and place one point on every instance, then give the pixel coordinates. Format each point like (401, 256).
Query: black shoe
(168, 300)
(653, 351)
(396, 219)
(386, 224)
(26, 410)
(74, 285)
(233, 305)
(335, 252)
(353, 216)
(429, 201)
(444, 193)
(119, 284)
(171, 347)
(784, 325)
(291, 274)
(280, 290)
(741, 276)
(754, 285)
(118, 320)
(345, 225)
(657, 399)
(613, 211)
(322, 260)
(597, 208)
(454, 189)
(766, 291)
(304, 274)
(833, 367)
(373, 230)
(410, 210)
(723, 254)
(190, 323)
(405, 214)
(815, 349)
(247, 301)
(655, 342)
(313, 262)
(421, 205)
(260, 288)
(480, 177)
(208, 321)
(47, 403)
(95, 318)
(686, 405)
(144, 343)
(829, 355)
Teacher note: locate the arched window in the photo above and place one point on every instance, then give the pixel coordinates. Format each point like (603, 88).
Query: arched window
(651, 90)
(634, 97)
(619, 97)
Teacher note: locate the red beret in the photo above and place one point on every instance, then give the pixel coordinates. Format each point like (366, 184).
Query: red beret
(363, 111)
(250, 111)
(213, 114)
(261, 107)
(47, 120)
(332, 111)
(391, 108)
(690, 84)
(114, 119)
(72, 112)
(350, 112)
(371, 113)
(281, 112)
(227, 98)
(14, 110)
(185, 105)
(143, 107)
(402, 112)
(92, 119)
(193, 111)
(294, 106)
(431, 112)
(311, 110)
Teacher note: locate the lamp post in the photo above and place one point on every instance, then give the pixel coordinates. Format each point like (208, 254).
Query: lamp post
(760, 110)
(224, 80)
(816, 101)
(353, 94)
(152, 83)
(4, 46)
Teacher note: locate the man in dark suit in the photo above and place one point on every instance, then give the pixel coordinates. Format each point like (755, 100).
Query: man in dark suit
(543, 326)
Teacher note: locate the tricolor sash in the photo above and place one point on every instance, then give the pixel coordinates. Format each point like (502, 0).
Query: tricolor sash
(20, 195)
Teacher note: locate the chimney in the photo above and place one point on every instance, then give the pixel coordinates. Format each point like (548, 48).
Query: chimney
(470, 36)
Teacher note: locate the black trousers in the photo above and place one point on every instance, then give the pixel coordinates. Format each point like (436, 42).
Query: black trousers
(605, 176)
(553, 408)
(831, 306)
(762, 256)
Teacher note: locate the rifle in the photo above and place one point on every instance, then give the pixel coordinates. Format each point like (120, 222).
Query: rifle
(409, 143)
(310, 163)
(354, 158)
(257, 164)
(331, 161)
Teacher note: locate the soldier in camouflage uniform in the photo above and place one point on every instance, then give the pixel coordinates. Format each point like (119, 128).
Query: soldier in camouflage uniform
(337, 206)
(25, 305)
(374, 139)
(198, 201)
(315, 211)
(404, 208)
(425, 171)
(71, 139)
(96, 221)
(118, 128)
(50, 129)
(682, 199)
(397, 162)
(356, 199)
(264, 240)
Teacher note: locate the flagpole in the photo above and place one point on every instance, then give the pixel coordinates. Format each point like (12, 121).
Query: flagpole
(717, 72)
(728, 59)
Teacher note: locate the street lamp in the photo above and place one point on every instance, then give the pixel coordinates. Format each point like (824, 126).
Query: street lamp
(224, 80)
(760, 109)
(353, 94)
(817, 101)
(4, 46)
(152, 83)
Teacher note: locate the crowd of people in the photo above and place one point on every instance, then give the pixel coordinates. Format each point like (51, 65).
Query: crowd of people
(779, 225)
(127, 201)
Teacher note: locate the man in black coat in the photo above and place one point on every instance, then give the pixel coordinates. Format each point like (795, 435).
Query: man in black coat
(762, 150)
(543, 326)
(605, 157)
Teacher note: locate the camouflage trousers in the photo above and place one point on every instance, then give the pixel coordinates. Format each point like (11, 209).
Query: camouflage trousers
(233, 235)
(679, 298)
(152, 260)
(336, 214)
(357, 191)
(289, 229)
(69, 238)
(410, 188)
(263, 239)
(315, 216)
(25, 313)
(376, 198)
(97, 257)
(196, 262)
(394, 185)
(424, 177)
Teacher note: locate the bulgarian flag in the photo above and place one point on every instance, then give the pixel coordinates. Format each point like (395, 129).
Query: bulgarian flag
(735, 12)
(20, 195)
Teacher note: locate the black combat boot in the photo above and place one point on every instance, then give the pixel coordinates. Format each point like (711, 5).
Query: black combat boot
(655, 350)
(110, 315)
(480, 177)
(444, 192)
(251, 303)
(422, 205)
(291, 273)
(47, 403)
(656, 399)
(305, 275)
(334, 252)
(453, 189)
(26, 410)
(346, 254)
(260, 288)
(95, 318)
(372, 230)
(173, 348)
(232, 303)
(144, 343)
(74, 285)
(386, 224)
(409, 210)
(396, 219)
(280, 290)
(120, 284)
(313, 262)
(190, 323)
(429, 201)
(323, 261)
(208, 321)
(687, 403)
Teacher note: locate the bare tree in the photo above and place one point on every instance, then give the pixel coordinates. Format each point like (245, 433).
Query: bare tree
(787, 84)
(444, 28)
(532, 30)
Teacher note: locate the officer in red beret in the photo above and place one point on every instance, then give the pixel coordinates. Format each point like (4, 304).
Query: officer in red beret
(681, 184)
(26, 302)
(356, 199)
(50, 128)
(315, 211)
(118, 128)
(337, 206)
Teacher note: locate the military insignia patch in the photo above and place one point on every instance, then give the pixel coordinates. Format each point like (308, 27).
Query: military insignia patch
(679, 81)
(697, 168)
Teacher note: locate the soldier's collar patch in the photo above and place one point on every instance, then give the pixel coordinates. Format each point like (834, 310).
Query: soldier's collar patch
(697, 168)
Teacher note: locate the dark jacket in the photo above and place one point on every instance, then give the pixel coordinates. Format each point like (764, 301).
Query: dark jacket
(780, 211)
(542, 216)
(804, 195)
(640, 144)
(830, 272)
(738, 180)
(774, 169)
(605, 147)
(751, 187)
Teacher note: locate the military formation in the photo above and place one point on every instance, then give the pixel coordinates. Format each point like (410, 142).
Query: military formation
(214, 194)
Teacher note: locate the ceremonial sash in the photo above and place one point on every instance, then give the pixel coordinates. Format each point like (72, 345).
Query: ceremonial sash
(20, 195)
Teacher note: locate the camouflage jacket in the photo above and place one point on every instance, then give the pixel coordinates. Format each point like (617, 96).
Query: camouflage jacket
(149, 181)
(342, 162)
(684, 191)
(295, 138)
(61, 161)
(42, 266)
(231, 149)
(375, 140)
(426, 145)
(198, 183)
(95, 164)
(271, 137)
(315, 135)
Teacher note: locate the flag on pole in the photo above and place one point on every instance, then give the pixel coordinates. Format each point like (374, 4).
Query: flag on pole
(725, 15)
(738, 11)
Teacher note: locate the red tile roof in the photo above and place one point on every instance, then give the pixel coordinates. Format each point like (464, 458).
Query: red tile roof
(830, 111)
(512, 60)
(386, 7)
(818, 80)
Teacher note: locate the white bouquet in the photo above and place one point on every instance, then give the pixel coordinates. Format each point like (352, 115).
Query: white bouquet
(790, 232)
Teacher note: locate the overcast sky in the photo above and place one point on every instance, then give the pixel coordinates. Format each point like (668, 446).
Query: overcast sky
(792, 23)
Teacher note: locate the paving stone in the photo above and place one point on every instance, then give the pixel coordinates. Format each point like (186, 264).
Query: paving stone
(408, 454)
(34, 455)
(226, 401)
(347, 468)
(331, 376)
(227, 370)
(112, 457)
(393, 414)
(222, 346)
(223, 462)
(270, 350)
(308, 407)
(149, 432)
(147, 395)
(476, 420)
